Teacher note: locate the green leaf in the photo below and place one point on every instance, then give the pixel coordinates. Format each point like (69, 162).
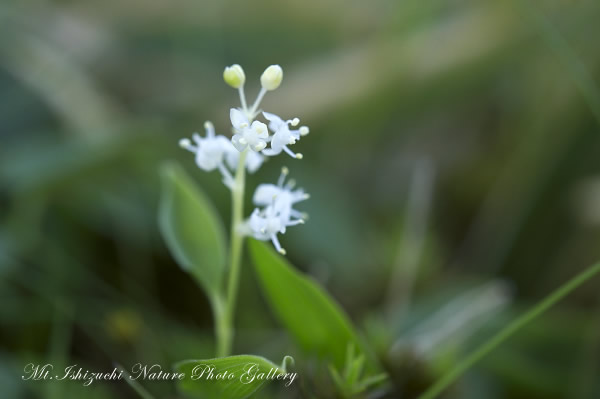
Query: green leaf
(243, 375)
(317, 323)
(191, 228)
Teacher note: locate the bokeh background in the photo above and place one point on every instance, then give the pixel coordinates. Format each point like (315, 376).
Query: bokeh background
(453, 163)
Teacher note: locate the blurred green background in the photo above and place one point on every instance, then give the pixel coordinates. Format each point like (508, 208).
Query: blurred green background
(453, 166)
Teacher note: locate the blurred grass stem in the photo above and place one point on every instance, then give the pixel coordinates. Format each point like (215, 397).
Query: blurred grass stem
(134, 384)
(410, 251)
(508, 331)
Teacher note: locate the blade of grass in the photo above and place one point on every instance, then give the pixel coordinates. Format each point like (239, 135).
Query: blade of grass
(574, 65)
(509, 330)
(412, 244)
(134, 384)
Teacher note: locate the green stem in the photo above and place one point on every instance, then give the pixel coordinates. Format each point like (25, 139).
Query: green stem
(224, 315)
(222, 328)
(509, 330)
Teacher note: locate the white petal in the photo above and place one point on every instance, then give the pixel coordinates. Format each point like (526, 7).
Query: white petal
(276, 122)
(197, 138)
(270, 152)
(224, 143)
(260, 129)
(257, 225)
(265, 193)
(277, 245)
(272, 117)
(186, 144)
(254, 161)
(231, 156)
(298, 195)
(238, 119)
(235, 140)
(205, 162)
(279, 140)
(259, 146)
(210, 129)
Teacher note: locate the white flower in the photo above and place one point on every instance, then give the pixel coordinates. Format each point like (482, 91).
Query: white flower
(281, 197)
(271, 77)
(265, 225)
(209, 150)
(214, 151)
(253, 135)
(278, 212)
(283, 136)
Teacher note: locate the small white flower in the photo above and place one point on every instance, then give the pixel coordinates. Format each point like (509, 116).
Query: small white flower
(278, 212)
(265, 225)
(209, 150)
(253, 135)
(283, 135)
(214, 151)
(282, 197)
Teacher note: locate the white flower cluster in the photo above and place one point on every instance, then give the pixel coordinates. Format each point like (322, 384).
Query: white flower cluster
(277, 213)
(252, 137)
(217, 152)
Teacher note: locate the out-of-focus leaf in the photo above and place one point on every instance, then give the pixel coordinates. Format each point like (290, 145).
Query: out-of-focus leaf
(191, 228)
(241, 376)
(456, 320)
(309, 314)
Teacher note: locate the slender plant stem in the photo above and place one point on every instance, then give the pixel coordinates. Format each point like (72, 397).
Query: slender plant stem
(508, 331)
(242, 97)
(410, 248)
(225, 316)
(259, 98)
(222, 328)
(224, 308)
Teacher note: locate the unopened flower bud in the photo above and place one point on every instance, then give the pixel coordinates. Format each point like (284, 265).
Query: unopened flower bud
(271, 77)
(234, 76)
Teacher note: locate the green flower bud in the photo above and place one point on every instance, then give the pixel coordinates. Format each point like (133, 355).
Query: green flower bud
(271, 77)
(234, 76)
